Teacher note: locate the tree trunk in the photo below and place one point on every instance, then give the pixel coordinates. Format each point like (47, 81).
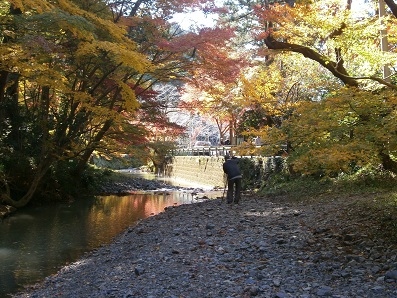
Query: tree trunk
(387, 163)
(3, 83)
(83, 160)
(42, 169)
(9, 104)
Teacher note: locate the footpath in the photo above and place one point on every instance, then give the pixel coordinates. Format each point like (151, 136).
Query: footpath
(261, 248)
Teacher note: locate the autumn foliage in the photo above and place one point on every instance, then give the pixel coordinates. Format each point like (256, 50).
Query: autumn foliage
(80, 77)
(325, 105)
(77, 77)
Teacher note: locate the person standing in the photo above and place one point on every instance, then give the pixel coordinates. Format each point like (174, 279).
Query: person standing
(234, 177)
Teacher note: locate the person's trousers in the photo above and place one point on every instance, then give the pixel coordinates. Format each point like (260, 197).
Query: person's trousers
(233, 190)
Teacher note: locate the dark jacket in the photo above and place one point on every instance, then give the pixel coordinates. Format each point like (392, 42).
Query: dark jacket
(231, 168)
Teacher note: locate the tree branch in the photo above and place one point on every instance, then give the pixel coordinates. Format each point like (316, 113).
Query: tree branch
(373, 78)
(392, 6)
(337, 69)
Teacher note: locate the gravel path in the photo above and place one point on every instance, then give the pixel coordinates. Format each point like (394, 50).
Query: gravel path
(261, 248)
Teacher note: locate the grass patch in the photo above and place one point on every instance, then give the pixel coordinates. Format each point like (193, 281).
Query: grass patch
(368, 198)
(295, 188)
(365, 181)
(379, 212)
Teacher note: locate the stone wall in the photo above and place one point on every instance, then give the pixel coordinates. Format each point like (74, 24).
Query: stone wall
(207, 170)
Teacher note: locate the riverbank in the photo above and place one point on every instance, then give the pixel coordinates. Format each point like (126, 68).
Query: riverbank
(123, 184)
(264, 247)
(118, 183)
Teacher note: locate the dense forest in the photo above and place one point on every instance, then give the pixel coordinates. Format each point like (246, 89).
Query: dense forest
(313, 79)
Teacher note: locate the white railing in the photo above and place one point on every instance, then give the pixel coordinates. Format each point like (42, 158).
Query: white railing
(213, 151)
(206, 151)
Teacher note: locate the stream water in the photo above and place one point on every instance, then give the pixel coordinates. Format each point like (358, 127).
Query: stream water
(37, 242)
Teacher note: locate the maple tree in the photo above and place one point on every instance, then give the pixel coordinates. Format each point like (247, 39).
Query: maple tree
(318, 145)
(270, 94)
(177, 55)
(76, 77)
(329, 33)
(347, 46)
(211, 90)
(348, 131)
(218, 103)
(161, 132)
(72, 68)
(343, 40)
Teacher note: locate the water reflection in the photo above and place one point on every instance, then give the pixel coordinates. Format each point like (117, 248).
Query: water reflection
(36, 242)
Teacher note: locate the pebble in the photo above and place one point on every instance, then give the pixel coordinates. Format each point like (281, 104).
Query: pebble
(259, 248)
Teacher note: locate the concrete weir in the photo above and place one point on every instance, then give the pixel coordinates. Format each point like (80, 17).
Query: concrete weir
(203, 170)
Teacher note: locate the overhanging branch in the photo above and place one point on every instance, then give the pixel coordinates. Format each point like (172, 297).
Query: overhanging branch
(337, 69)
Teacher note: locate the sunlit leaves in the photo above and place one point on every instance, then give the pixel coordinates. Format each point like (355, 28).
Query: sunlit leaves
(352, 128)
(261, 86)
(32, 6)
(343, 38)
(118, 53)
(326, 131)
(129, 97)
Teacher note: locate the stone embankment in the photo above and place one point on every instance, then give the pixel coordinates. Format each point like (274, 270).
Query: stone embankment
(126, 184)
(260, 248)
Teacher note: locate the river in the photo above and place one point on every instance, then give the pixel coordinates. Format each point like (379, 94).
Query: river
(36, 242)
